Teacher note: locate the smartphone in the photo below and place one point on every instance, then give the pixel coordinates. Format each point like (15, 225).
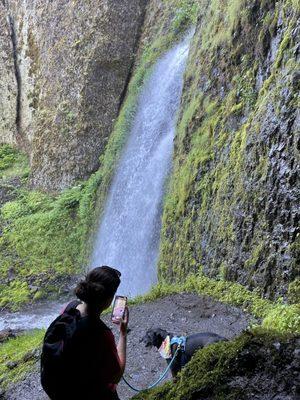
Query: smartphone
(118, 311)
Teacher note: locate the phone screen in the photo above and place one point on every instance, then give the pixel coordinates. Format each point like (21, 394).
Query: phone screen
(119, 309)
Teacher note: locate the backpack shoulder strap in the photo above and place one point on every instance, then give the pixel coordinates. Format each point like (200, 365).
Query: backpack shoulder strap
(71, 305)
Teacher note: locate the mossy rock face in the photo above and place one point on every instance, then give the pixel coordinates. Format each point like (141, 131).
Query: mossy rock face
(19, 356)
(232, 199)
(251, 366)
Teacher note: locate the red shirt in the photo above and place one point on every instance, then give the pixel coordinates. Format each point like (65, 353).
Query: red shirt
(94, 361)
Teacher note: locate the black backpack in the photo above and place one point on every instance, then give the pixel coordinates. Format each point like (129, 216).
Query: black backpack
(56, 359)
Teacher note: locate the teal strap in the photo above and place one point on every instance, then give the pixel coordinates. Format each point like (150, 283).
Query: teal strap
(161, 377)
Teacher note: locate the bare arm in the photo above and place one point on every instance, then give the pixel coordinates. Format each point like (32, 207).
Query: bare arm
(121, 347)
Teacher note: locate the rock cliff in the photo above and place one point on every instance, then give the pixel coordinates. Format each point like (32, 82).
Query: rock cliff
(8, 82)
(72, 64)
(233, 203)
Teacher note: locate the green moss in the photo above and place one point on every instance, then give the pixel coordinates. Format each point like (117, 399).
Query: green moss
(283, 46)
(222, 19)
(294, 291)
(41, 242)
(186, 14)
(14, 351)
(255, 256)
(206, 370)
(12, 162)
(283, 318)
(17, 290)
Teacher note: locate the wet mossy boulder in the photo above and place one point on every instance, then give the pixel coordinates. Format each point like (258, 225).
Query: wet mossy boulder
(255, 365)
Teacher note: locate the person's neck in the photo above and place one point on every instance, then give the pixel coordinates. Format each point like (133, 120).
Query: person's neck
(85, 310)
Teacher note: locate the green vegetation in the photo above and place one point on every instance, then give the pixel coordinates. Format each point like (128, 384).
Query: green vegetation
(278, 319)
(185, 15)
(40, 243)
(12, 162)
(46, 239)
(17, 358)
(207, 370)
(294, 291)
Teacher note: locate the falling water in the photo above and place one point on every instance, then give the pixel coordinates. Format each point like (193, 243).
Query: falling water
(128, 236)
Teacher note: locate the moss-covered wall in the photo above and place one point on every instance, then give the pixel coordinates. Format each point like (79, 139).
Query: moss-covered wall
(232, 204)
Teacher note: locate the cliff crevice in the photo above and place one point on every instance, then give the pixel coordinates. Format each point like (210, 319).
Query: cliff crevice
(16, 71)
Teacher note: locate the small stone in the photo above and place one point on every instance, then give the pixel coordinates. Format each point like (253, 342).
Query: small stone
(33, 288)
(297, 354)
(31, 355)
(277, 345)
(11, 364)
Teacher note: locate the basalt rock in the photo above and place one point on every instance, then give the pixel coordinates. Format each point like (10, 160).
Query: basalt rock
(8, 82)
(72, 67)
(233, 206)
(6, 334)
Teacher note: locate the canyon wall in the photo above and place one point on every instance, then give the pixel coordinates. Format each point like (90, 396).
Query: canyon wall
(233, 205)
(72, 62)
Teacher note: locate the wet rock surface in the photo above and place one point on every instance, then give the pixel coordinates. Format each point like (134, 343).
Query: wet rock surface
(264, 371)
(180, 314)
(240, 210)
(8, 189)
(6, 334)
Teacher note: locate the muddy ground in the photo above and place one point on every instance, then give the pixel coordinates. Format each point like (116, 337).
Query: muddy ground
(180, 314)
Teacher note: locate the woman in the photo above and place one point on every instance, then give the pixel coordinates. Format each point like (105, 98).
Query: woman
(94, 363)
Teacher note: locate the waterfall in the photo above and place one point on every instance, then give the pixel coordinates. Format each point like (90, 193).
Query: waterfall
(128, 235)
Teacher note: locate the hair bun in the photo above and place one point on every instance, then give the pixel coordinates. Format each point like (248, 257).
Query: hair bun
(90, 292)
(81, 291)
(99, 286)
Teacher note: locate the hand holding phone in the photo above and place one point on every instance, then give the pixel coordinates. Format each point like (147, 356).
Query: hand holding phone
(119, 309)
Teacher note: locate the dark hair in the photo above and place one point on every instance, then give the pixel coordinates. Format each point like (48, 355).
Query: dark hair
(99, 285)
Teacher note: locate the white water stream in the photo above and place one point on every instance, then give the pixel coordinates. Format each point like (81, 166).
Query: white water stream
(128, 235)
